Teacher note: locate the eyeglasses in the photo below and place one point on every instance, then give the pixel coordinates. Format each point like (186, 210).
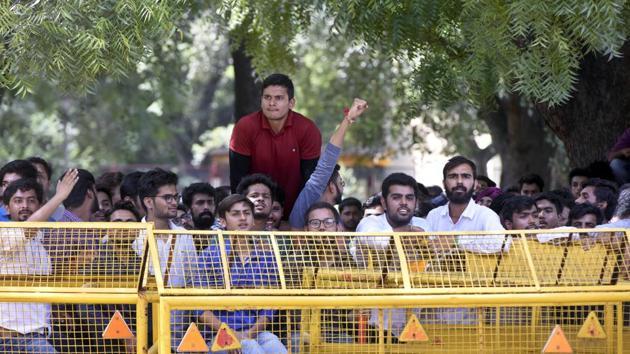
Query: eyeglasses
(182, 219)
(315, 223)
(169, 197)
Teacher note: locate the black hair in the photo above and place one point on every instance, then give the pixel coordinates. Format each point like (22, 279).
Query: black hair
(322, 205)
(279, 80)
(279, 195)
(104, 190)
(334, 175)
(20, 167)
(516, 204)
(40, 161)
(498, 202)
(601, 169)
(398, 179)
(78, 194)
(531, 178)
(256, 178)
(486, 179)
(422, 190)
(552, 198)
(456, 161)
(196, 188)
(129, 185)
(579, 171)
(123, 205)
(229, 202)
(373, 201)
(182, 207)
(350, 201)
(579, 210)
(152, 180)
(220, 193)
(434, 191)
(605, 191)
(110, 181)
(566, 197)
(23, 184)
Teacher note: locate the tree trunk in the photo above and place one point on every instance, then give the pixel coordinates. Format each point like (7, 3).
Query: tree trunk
(519, 136)
(599, 111)
(246, 84)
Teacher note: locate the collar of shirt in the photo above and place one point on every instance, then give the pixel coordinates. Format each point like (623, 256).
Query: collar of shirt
(288, 123)
(69, 216)
(468, 213)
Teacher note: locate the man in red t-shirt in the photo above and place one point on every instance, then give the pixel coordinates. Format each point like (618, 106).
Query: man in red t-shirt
(275, 141)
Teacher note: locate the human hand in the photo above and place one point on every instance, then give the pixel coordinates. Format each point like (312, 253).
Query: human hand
(66, 184)
(358, 107)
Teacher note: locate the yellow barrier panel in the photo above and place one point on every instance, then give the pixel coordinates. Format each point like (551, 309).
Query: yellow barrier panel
(354, 293)
(62, 285)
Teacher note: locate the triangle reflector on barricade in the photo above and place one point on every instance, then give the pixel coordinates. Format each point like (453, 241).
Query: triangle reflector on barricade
(557, 342)
(193, 341)
(225, 339)
(413, 331)
(592, 329)
(117, 328)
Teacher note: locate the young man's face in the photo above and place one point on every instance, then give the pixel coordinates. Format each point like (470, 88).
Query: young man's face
(8, 179)
(350, 217)
(530, 189)
(275, 102)
(587, 221)
(276, 213)
(548, 217)
(459, 184)
(399, 205)
(23, 204)
(122, 215)
(238, 218)
(42, 177)
(587, 195)
(523, 220)
(260, 195)
(577, 183)
(164, 203)
(202, 209)
(322, 220)
(104, 203)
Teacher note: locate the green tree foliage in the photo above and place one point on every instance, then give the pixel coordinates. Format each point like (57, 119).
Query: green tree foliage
(74, 42)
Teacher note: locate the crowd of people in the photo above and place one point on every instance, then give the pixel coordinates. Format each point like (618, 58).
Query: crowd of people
(279, 181)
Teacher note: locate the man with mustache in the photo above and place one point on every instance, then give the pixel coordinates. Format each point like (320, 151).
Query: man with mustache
(259, 189)
(549, 208)
(200, 199)
(519, 213)
(399, 193)
(462, 214)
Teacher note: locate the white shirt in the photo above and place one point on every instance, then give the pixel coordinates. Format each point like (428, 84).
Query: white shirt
(474, 218)
(28, 258)
(184, 262)
(379, 223)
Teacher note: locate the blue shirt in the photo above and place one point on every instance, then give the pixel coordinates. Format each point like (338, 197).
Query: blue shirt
(257, 270)
(4, 214)
(315, 186)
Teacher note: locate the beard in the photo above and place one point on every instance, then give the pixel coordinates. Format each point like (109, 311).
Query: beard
(396, 220)
(459, 198)
(204, 220)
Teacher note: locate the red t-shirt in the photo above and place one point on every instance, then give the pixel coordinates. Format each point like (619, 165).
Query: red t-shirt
(278, 155)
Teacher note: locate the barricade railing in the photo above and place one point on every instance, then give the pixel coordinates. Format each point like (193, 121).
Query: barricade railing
(73, 287)
(356, 293)
(85, 287)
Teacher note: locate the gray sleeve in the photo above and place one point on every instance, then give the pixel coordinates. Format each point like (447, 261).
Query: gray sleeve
(315, 186)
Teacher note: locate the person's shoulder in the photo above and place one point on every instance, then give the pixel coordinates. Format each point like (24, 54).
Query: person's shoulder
(302, 121)
(436, 212)
(372, 223)
(250, 121)
(420, 222)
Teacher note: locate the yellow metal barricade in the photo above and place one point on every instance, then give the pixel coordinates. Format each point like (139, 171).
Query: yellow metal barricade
(72, 287)
(392, 293)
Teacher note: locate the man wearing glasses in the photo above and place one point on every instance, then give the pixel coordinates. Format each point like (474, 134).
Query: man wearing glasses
(157, 190)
